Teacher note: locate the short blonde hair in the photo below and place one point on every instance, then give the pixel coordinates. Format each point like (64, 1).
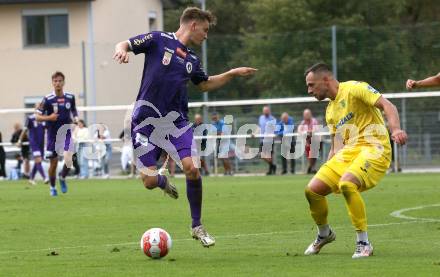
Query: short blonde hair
(194, 13)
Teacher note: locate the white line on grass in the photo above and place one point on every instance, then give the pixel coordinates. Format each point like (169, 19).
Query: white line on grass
(219, 237)
(399, 213)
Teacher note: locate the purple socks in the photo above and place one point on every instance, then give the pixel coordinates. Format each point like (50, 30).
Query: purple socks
(34, 170)
(64, 171)
(40, 170)
(37, 167)
(161, 181)
(194, 194)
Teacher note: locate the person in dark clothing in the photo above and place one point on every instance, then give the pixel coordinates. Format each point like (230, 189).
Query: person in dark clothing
(2, 159)
(24, 149)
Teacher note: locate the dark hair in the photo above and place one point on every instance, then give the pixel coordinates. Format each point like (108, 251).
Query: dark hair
(82, 122)
(58, 74)
(318, 68)
(194, 13)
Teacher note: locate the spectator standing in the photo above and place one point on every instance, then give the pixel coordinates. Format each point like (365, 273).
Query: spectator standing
(198, 120)
(287, 126)
(80, 135)
(2, 160)
(221, 149)
(24, 157)
(267, 124)
(103, 134)
(308, 125)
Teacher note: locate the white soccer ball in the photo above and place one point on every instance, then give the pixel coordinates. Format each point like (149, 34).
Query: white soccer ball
(156, 243)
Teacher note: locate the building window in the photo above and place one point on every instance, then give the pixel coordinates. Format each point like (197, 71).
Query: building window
(45, 28)
(152, 21)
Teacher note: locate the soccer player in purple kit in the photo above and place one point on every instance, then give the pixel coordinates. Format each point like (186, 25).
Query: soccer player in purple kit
(56, 109)
(169, 65)
(36, 131)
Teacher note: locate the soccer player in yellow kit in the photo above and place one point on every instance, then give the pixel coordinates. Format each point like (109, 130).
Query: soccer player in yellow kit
(360, 151)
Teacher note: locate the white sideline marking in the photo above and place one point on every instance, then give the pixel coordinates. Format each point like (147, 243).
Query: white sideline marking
(399, 213)
(234, 236)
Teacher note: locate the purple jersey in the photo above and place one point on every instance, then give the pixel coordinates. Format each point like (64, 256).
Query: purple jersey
(64, 106)
(168, 67)
(35, 130)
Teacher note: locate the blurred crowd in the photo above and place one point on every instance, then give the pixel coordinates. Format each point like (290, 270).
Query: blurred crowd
(93, 148)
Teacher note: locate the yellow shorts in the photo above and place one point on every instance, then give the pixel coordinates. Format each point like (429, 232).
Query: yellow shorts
(368, 163)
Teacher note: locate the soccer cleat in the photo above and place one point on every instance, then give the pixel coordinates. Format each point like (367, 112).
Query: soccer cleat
(319, 242)
(363, 249)
(199, 233)
(53, 192)
(46, 181)
(169, 189)
(63, 185)
(32, 182)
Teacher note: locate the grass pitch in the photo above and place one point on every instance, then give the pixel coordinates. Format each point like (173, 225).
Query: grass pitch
(261, 224)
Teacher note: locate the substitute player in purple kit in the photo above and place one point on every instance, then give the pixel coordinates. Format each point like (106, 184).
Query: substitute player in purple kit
(57, 109)
(169, 65)
(35, 130)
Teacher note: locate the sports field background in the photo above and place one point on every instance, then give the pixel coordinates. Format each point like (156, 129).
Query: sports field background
(261, 225)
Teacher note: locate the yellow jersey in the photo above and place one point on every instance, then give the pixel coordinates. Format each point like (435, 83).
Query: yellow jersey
(353, 116)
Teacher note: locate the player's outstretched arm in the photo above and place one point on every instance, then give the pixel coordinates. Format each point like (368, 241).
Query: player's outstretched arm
(217, 81)
(121, 52)
(428, 82)
(392, 116)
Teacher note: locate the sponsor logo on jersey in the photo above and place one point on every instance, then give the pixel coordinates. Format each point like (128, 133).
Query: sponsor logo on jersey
(180, 60)
(61, 100)
(166, 35)
(367, 164)
(67, 105)
(189, 67)
(373, 90)
(344, 120)
(181, 53)
(138, 41)
(365, 167)
(167, 58)
(169, 50)
(342, 103)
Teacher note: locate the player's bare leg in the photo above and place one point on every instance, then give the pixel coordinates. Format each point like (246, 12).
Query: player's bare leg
(172, 166)
(194, 194)
(160, 180)
(315, 192)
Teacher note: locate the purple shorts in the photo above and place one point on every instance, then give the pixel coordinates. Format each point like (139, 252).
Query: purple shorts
(37, 148)
(55, 147)
(148, 152)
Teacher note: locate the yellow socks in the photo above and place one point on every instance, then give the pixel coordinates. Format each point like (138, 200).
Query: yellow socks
(355, 205)
(318, 206)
